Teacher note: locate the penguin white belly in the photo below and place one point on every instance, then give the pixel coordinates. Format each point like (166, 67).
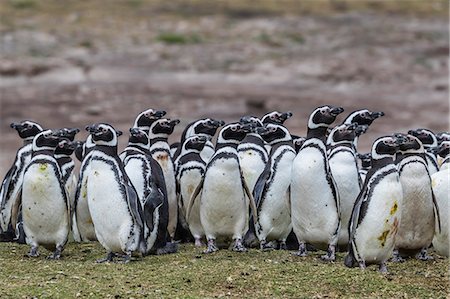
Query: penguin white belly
(135, 169)
(108, 207)
(223, 208)
(346, 176)
(71, 186)
(441, 188)
(375, 235)
(44, 210)
(163, 158)
(313, 208)
(416, 229)
(188, 183)
(207, 152)
(84, 221)
(252, 166)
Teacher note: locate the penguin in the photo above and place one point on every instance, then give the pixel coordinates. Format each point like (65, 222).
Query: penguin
(223, 205)
(430, 143)
(443, 153)
(271, 192)
(362, 117)
(191, 168)
(45, 203)
(344, 169)
(82, 225)
(12, 182)
(441, 185)
(298, 142)
(173, 148)
(443, 136)
(147, 177)
(113, 203)
(314, 198)
(376, 213)
(276, 117)
(205, 126)
(417, 224)
(160, 151)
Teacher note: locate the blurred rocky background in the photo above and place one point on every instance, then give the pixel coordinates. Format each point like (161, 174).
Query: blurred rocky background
(76, 62)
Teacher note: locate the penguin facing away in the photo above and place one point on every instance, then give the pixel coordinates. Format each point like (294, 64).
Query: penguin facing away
(344, 168)
(376, 213)
(298, 142)
(191, 169)
(45, 205)
(314, 198)
(416, 229)
(366, 160)
(113, 203)
(430, 143)
(223, 205)
(441, 186)
(12, 183)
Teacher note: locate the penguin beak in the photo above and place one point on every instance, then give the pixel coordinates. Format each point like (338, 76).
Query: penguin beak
(174, 122)
(119, 133)
(216, 123)
(135, 132)
(91, 129)
(400, 138)
(202, 139)
(413, 132)
(17, 126)
(375, 115)
(285, 116)
(159, 113)
(335, 111)
(361, 129)
(261, 130)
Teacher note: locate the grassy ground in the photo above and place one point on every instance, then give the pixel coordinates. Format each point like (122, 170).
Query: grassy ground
(191, 274)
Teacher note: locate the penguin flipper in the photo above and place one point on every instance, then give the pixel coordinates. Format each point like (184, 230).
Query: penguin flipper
(354, 219)
(151, 203)
(69, 206)
(5, 185)
(251, 199)
(15, 209)
(260, 185)
(193, 197)
(436, 212)
(134, 205)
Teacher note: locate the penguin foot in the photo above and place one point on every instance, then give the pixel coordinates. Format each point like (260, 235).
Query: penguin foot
(330, 256)
(423, 255)
(198, 242)
(126, 258)
(238, 246)
(396, 258)
(283, 245)
(383, 268)
(55, 255)
(211, 246)
(301, 250)
(33, 252)
(107, 259)
(362, 265)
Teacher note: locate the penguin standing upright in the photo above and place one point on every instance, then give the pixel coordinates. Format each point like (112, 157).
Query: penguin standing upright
(113, 203)
(314, 198)
(46, 208)
(12, 183)
(441, 185)
(271, 192)
(160, 151)
(344, 168)
(416, 228)
(430, 143)
(191, 169)
(223, 205)
(376, 214)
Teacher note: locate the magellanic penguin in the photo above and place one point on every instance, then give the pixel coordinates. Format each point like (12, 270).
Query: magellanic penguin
(191, 169)
(430, 143)
(160, 151)
(271, 191)
(223, 206)
(376, 214)
(440, 181)
(45, 205)
(275, 117)
(82, 225)
(314, 198)
(147, 177)
(113, 203)
(12, 182)
(362, 117)
(418, 207)
(344, 169)
(365, 165)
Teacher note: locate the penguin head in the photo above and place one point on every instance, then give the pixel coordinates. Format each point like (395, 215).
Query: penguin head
(248, 119)
(298, 142)
(427, 137)
(65, 146)
(276, 117)
(385, 147)
(365, 159)
(45, 140)
(345, 133)
(146, 118)
(323, 116)
(233, 133)
(138, 136)
(363, 117)
(163, 126)
(68, 133)
(444, 149)
(443, 136)
(409, 144)
(27, 129)
(274, 133)
(196, 142)
(103, 134)
(206, 126)
(79, 148)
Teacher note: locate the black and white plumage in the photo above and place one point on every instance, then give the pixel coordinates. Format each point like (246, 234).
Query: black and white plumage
(113, 203)
(430, 143)
(344, 169)
(298, 142)
(418, 207)
(365, 164)
(276, 117)
(224, 210)
(376, 214)
(362, 117)
(271, 191)
(12, 183)
(314, 198)
(45, 203)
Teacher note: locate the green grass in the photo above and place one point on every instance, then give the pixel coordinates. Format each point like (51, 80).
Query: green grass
(191, 274)
(177, 38)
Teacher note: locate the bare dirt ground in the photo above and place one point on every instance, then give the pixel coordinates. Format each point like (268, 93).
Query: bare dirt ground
(76, 65)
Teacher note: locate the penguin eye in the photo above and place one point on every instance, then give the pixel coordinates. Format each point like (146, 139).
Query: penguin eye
(272, 116)
(273, 129)
(104, 130)
(364, 114)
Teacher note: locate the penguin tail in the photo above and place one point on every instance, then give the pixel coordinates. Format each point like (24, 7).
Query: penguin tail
(170, 247)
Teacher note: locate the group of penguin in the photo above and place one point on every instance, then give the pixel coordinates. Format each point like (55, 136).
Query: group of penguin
(257, 185)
